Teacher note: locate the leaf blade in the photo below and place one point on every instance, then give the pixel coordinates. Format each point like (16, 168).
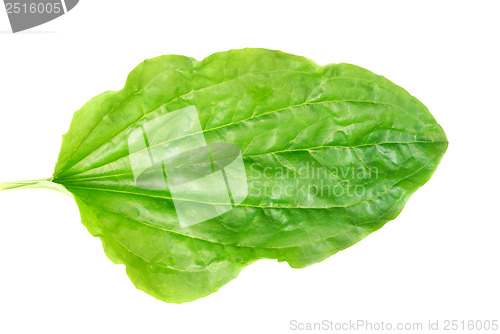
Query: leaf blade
(286, 113)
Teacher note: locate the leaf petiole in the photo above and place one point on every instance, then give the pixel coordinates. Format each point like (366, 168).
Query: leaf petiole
(45, 183)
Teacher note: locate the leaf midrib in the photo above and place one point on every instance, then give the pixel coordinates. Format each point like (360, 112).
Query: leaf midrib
(240, 121)
(258, 206)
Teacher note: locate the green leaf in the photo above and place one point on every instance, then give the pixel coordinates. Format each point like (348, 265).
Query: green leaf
(331, 153)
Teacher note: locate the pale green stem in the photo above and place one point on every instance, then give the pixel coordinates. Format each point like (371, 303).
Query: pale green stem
(30, 184)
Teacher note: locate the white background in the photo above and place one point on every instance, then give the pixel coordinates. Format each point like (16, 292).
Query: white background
(438, 260)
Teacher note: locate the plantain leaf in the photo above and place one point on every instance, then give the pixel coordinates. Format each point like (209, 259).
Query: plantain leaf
(195, 169)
